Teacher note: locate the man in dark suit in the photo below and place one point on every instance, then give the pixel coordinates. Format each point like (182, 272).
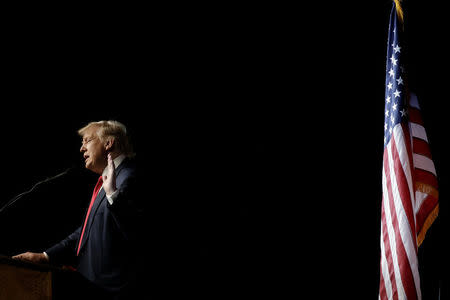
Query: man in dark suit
(103, 249)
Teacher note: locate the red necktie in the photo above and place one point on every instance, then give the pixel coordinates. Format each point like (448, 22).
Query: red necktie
(94, 195)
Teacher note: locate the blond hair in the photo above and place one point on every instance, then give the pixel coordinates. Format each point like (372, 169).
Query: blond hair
(113, 129)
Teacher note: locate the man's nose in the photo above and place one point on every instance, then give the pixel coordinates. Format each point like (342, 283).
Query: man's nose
(83, 149)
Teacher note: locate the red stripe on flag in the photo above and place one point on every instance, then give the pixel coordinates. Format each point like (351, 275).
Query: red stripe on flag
(388, 253)
(402, 258)
(408, 146)
(426, 208)
(404, 190)
(415, 116)
(421, 147)
(425, 177)
(383, 295)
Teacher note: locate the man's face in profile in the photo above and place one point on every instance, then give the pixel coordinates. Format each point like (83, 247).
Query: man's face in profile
(94, 152)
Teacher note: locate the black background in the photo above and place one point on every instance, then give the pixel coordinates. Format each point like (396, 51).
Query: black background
(258, 129)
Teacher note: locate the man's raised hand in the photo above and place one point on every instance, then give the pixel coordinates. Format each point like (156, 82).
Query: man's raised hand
(109, 179)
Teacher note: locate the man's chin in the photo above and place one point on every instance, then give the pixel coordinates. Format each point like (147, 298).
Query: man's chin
(88, 166)
(92, 168)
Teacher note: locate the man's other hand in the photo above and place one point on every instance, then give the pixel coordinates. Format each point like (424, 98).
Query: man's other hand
(37, 258)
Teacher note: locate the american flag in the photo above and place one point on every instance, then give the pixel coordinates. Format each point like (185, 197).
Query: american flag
(410, 196)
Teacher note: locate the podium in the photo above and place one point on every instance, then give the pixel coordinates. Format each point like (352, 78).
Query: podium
(26, 280)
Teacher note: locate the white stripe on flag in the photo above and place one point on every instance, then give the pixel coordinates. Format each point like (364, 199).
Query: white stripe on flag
(402, 153)
(385, 268)
(424, 163)
(418, 131)
(406, 232)
(420, 197)
(391, 233)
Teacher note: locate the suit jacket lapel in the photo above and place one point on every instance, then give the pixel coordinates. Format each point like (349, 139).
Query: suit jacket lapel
(98, 201)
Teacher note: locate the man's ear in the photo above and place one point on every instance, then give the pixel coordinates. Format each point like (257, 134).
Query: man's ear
(109, 144)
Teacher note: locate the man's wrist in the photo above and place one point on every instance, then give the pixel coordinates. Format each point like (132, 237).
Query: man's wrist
(46, 256)
(112, 197)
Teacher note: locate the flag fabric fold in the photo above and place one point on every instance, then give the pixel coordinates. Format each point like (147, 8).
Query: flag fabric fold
(409, 180)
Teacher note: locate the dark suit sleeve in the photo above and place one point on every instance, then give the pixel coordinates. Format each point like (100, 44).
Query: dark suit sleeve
(65, 251)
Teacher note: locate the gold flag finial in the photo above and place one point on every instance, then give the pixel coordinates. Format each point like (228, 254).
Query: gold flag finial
(399, 9)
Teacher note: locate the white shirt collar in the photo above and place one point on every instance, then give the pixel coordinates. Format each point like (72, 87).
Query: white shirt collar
(117, 161)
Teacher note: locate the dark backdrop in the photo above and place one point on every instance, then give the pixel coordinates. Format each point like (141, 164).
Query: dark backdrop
(258, 129)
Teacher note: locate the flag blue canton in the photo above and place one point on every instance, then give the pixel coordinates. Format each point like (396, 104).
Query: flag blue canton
(395, 95)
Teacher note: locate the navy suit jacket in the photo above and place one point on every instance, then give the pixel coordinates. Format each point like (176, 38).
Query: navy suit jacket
(108, 251)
